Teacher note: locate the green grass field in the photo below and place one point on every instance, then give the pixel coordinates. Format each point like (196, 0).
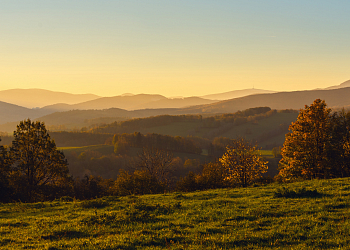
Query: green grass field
(103, 149)
(266, 153)
(244, 218)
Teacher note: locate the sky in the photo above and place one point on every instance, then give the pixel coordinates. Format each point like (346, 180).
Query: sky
(173, 48)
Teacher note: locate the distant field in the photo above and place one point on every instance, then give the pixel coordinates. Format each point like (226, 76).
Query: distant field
(244, 218)
(266, 153)
(103, 149)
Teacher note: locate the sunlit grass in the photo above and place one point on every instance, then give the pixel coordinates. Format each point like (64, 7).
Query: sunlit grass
(104, 149)
(266, 153)
(243, 218)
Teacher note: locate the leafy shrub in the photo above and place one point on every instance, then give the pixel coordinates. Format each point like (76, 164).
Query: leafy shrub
(138, 183)
(298, 193)
(98, 203)
(213, 176)
(264, 180)
(66, 199)
(187, 183)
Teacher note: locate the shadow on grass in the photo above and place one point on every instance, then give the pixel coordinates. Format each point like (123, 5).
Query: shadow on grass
(298, 193)
(15, 224)
(64, 234)
(136, 212)
(4, 242)
(97, 203)
(333, 207)
(180, 196)
(248, 242)
(204, 196)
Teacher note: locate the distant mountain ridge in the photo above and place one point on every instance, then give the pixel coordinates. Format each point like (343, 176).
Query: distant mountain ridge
(53, 101)
(236, 94)
(342, 85)
(33, 98)
(133, 102)
(335, 97)
(11, 112)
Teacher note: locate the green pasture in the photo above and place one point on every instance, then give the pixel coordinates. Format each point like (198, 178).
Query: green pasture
(242, 218)
(103, 149)
(266, 153)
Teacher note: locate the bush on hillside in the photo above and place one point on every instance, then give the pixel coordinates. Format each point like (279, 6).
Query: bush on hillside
(298, 193)
(137, 183)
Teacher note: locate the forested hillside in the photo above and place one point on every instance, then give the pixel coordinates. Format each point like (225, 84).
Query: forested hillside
(265, 126)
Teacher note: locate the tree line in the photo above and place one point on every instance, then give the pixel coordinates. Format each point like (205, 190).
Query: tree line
(318, 146)
(122, 142)
(33, 169)
(216, 121)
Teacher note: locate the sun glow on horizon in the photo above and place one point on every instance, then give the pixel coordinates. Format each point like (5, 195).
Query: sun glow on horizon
(177, 48)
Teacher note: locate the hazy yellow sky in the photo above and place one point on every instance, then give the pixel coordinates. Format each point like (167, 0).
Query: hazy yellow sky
(173, 48)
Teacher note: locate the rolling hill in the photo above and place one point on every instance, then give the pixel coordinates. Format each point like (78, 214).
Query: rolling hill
(98, 108)
(127, 102)
(11, 112)
(236, 94)
(33, 98)
(335, 98)
(342, 85)
(132, 102)
(175, 103)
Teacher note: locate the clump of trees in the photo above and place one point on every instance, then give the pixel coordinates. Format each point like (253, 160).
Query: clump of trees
(240, 166)
(318, 144)
(32, 169)
(166, 142)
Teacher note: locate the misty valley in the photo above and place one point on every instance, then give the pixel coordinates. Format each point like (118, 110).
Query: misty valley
(177, 177)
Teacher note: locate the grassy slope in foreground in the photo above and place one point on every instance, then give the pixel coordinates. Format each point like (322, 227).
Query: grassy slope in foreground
(245, 218)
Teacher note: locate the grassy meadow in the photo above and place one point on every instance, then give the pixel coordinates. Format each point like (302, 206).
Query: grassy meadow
(242, 218)
(103, 149)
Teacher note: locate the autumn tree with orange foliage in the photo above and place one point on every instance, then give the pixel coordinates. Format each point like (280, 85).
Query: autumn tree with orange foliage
(316, 147)
(243, 163)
